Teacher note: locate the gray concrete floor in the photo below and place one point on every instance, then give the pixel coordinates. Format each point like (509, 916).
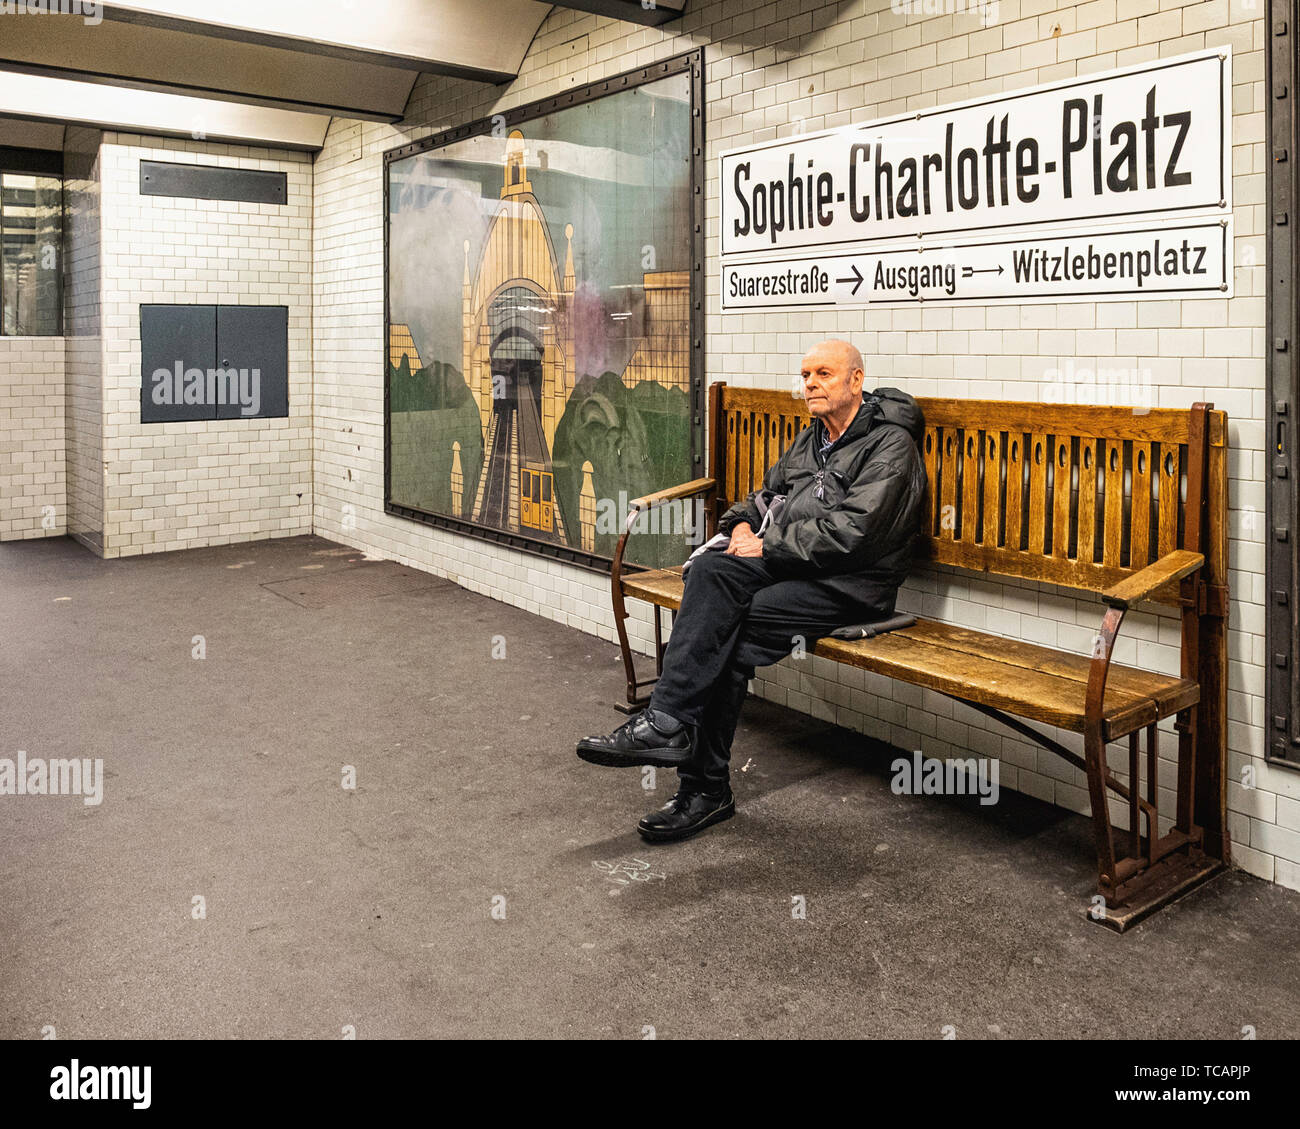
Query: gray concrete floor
(372, 907)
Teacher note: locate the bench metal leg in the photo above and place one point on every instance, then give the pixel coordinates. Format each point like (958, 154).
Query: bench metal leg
(659, 641)
(1156, 869)
(636, 699)
(1094, 756)
(1141, 881)
(624, 645)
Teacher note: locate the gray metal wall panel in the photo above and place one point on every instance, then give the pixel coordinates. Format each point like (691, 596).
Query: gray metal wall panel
(206, 182)
(171, 335)
(256, 338)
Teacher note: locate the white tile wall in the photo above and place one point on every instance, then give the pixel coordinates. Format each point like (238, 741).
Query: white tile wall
(33, 475)
(83, 349)
(182, 485)
(769, 66)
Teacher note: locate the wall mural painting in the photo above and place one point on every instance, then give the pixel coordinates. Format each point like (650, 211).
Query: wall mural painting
(539, 337)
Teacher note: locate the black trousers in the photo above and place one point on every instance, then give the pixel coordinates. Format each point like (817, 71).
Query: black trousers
(736, 614)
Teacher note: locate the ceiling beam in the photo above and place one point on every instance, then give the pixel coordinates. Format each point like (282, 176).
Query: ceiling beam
(651, 13)
(483, 40)
(149, 58)
(212, 94)
(41, 98)
(31, 135)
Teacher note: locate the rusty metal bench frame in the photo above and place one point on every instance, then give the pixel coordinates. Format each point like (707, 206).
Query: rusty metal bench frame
(1090, 538)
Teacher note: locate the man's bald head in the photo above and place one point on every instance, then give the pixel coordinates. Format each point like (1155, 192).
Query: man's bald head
(852, 359)
(832, 382)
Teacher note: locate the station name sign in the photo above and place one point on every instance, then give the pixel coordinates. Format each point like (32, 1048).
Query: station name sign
(1128, 152)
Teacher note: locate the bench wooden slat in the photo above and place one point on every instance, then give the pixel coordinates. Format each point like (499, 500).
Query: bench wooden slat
(1157, 425)
(772, 448)
(1062, 494)
(1087, 510)
(948, 484)
(990, 525)
(929, 454)
(731, 477)
(970, 485)
(1139, 553)
(1084, 575)
(1014, 507)
(744, 438)
(1040, 452)
(1170, 471)
(1112, 468)
(793, 424)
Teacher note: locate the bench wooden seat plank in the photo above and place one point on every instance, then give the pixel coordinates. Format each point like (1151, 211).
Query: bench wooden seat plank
(1170, 694)
(985, 676)
(660, 586)
(1035, 682)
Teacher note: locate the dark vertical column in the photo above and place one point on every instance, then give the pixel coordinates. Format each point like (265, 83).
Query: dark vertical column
(1282, 567)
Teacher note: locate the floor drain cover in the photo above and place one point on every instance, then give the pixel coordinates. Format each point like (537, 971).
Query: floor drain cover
(346, 585)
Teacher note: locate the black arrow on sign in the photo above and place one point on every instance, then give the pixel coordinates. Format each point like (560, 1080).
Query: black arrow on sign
(858, 275)
(966, 272)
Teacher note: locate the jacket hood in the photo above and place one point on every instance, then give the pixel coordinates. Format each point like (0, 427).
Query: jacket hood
(897, 407)
(890, 404)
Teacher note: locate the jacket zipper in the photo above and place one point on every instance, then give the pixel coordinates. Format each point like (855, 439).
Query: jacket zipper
(819, 479)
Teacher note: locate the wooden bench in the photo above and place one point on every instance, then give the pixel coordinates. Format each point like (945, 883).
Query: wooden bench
(1046, 493)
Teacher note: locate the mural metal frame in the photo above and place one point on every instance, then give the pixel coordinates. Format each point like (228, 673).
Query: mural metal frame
(691, 63)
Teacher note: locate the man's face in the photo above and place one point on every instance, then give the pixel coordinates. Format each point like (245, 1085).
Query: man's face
(829, 384)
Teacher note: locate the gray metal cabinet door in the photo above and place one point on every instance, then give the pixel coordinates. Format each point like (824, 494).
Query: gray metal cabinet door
(254, 340)
(176, 339)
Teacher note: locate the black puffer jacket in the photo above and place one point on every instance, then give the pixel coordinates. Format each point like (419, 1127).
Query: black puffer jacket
(853, 519)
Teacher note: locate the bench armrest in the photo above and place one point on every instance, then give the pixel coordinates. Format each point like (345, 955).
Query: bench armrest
(638, 505)
(1168, 569)
(672, 493)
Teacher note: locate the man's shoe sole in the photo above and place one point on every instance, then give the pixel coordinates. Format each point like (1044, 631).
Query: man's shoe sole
(611, 758)
(657, 836)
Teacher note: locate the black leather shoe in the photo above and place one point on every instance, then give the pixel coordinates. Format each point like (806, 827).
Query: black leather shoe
(686, 814)
(649, 738)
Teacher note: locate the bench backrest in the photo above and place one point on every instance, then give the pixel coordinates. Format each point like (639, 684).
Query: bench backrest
(1078, 496)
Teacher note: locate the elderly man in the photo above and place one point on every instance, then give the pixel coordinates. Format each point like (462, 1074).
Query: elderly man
(833, 554)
